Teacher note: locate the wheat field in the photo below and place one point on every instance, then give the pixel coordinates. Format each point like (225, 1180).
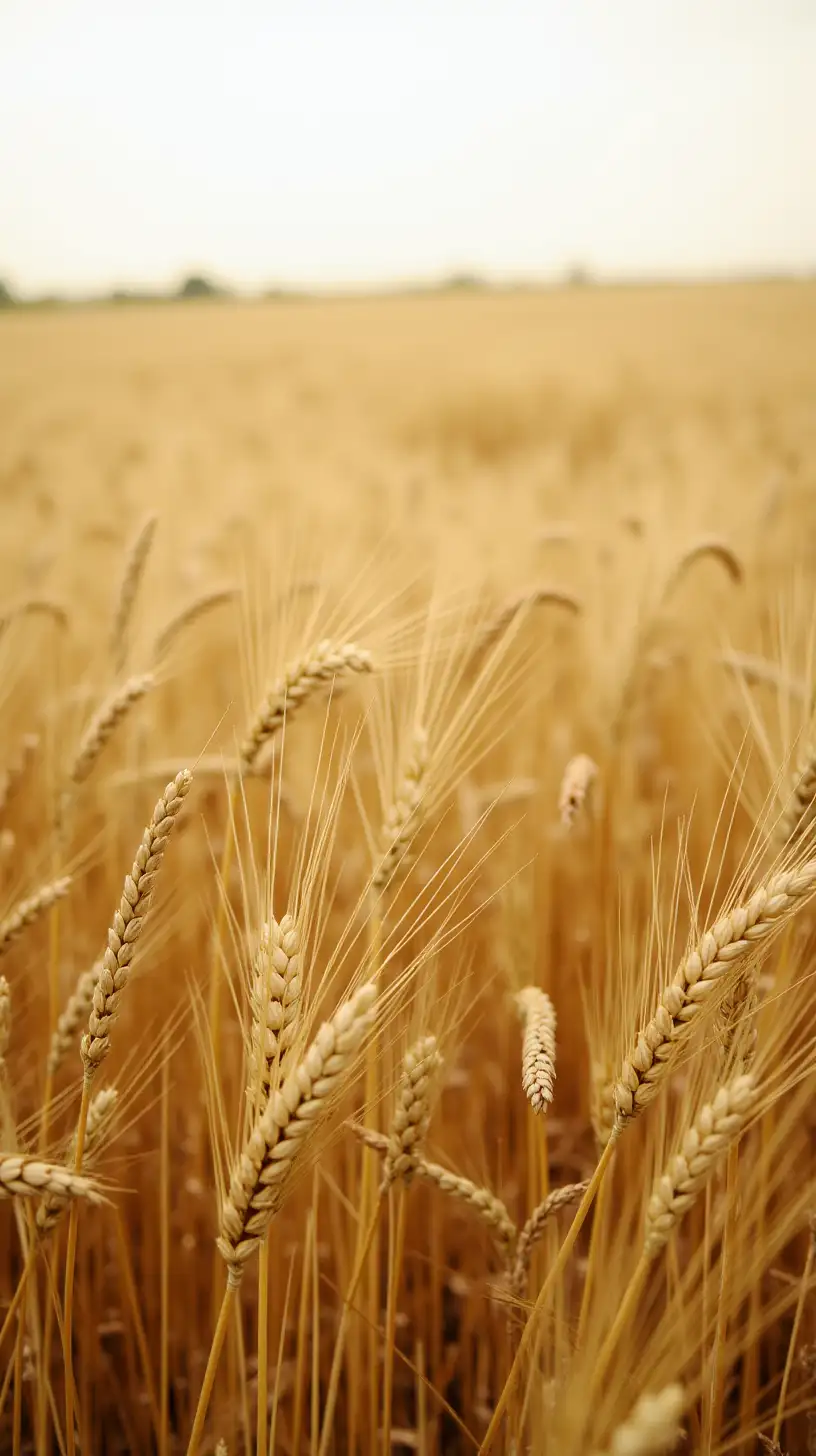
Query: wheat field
(406, 841)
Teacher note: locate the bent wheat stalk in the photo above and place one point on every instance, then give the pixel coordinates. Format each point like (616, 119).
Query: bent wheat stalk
(187, 615)
(534, 1229)
(104, 723)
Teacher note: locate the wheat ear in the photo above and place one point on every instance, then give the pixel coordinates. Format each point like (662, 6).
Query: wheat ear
(135, 563)
(538, 1047)
(100, 1112)
(404, 818)
(22, 1177)
(797, 816)
(34, 607)
(16, 771)
(76, 1012)
(128, 922)
(602, 1101)
(712, 1133)
(291, 1116)
(534, 1228)
(300, 682)
(104, 723)
(697, 982)
(489, 1208)
(652, 1429)
(206, 602)
(275, 999)
(577, 787)
(537, 596)
(409, 1124)
(30, 910)
(5, 1017)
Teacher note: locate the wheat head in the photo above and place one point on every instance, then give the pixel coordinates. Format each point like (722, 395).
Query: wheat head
(104, 723)
(409, 1124)
(30, 910)
(653, 1428)
(128, 922)
(538, 1047)
(76, 1012)
(135, 563)
(534, 1228)
(275, 999)
(292, 1114)
(100, 1112)
(300, 682)
(22, 1177)
(404, 818)
(17, 769)
(577, 785)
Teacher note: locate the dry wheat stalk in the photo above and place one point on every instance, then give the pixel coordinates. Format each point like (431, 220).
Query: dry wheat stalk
(486, 1204)
(30, 910)
(135, 563)
(275, 998)
(5, 1017)
(712, 1133)
(534, 1228)
(104, 722)
(291, 1116)
(327, 661)
(22, 1177)
(577, 785)
(404, 817)
(76, 1012)
(16, 771)
(128, 922)
(653, 1428)
(409, 1124)
(100, 1112)
(698, 979)
(205, 602)
(538, 1048)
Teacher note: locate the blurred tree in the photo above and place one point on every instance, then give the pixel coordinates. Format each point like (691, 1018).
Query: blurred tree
(7, 299)
(197, 286)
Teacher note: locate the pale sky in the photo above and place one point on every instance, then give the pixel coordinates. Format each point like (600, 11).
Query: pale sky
(357, 142)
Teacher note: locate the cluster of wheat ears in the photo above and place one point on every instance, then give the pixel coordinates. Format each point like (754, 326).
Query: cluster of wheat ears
(226, 1228)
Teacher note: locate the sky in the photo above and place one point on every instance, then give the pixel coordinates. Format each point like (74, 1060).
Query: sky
(367, 142)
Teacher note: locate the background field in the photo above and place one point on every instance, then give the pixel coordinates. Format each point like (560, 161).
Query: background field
(377, 453)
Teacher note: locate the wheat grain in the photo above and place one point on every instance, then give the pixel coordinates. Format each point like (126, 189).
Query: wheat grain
(206, 602)
(275, 998)
(714, 1130)
(538, 1048)
(404, 817)
(100, 1113)
(104, 723)
(128, 922)
(534, 1228)
(291, 1116)
(22, 1177)
(653, 1428)
(577, 786)
(71, 1019)
(409, 1124)
(300, 682)
(742, 932)
(30, 910)
(16, 771)
(135, 563)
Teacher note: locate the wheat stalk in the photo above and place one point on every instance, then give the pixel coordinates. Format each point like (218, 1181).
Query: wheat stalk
(77, 1009)
(22, 1177)
(577, 785)
(128, 922)
(16, 771)
(291, 1116)
(135, 564)
(534, 1228)
(538, 1047)
(409, 1124)
(300, 682)
(104, 723)
(404, 817)
(709, 546)
(206, 602)
(275, 999)
(652, 1429)
(30, 910)
(712, 1133)
(698, 979)
(100, 1112)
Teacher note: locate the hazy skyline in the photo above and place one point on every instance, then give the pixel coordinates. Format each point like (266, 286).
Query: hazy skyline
(366, 143)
